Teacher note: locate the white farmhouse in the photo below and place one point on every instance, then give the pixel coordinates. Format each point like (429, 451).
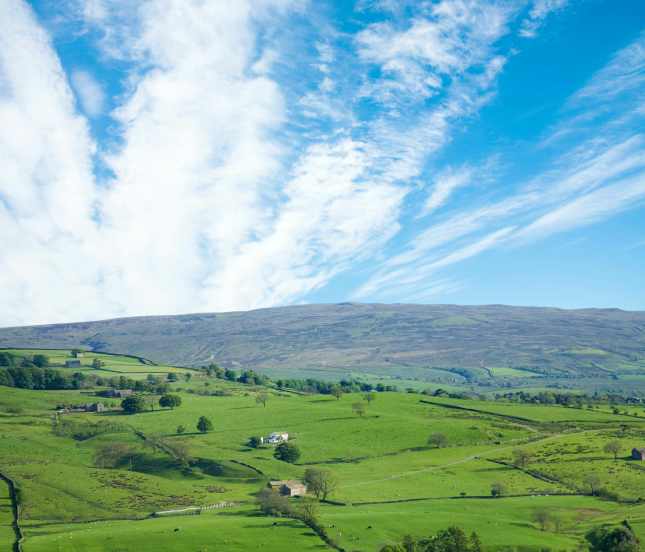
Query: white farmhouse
(277, 437)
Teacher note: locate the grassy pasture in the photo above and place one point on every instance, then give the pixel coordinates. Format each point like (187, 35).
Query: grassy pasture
(536, 413)
(580, 455)
(114, 365)
(70, 504)
(6, 518)
(236, 531)
(499, 522)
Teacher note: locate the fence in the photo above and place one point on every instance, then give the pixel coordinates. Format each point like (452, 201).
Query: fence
(193, 510)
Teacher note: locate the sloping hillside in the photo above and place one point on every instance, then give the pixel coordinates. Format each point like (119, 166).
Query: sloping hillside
(404, 340)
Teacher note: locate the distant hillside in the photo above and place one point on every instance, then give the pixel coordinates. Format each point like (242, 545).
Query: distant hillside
(399, 340)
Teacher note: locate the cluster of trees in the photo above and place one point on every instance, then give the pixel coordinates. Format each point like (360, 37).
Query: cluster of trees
(249, 377)
(33, 377)
(453, 539)
(311, 385)
(272, 503)
(287, 452)
(616, 539)
(139, 403)
(38, 360)
(308, 385)
(576, 400)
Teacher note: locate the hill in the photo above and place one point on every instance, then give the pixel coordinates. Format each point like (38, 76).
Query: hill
(460, 343)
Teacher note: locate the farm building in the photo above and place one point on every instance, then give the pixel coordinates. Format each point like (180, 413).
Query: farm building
(289, 487)
(276, 437)
(95, 407)
(638, 453)
(77, 354)
(72, 363)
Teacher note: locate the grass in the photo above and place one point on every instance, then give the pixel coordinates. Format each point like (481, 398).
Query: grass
(113, 365)
(70, 504)
(499, 522)
(537, 413)
(236, 531)
(7, 535)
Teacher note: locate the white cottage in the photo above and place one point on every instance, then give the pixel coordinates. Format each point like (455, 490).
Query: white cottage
(277, 437)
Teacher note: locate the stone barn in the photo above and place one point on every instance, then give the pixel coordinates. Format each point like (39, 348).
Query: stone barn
(638, 454)
(289, 487)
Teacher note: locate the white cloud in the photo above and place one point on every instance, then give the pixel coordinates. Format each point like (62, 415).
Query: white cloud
(593, 178)
(89, 92)
(539, 11)
(444, 185)
(595, 206)
(48, 261)
(415, 60)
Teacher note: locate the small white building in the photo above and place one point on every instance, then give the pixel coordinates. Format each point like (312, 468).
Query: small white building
(276, 437)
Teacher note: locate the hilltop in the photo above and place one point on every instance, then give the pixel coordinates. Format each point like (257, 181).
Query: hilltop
(467, 343)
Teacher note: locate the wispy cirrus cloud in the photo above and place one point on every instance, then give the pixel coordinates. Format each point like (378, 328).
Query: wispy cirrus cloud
(599, 175)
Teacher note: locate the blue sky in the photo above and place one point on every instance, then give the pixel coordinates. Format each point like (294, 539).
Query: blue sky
(176, 156)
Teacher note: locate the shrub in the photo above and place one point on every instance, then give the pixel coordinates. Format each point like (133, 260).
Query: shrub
(273, 503)
(287, 452)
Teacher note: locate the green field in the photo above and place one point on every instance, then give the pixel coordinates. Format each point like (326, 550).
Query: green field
(113, 365)
(390, 481)
(6, 518)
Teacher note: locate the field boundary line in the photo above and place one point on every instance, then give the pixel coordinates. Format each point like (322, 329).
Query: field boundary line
(475, 497)
(15, 510)
(458, 407)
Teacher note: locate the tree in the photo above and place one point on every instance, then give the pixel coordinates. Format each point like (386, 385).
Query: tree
(262, 398)
(542, 516)
(133, 404)
(437, 440)
(308, 510)
(204, 425)
(287, 452)
(255, 442)
(618, 539)
(42, 361)
(172, 376)
(369, 397)
(170, 401)
(452, 539)
(593, 480)
(359, 409)
(272, 503)
(181, 429)
(498, 489)
(188, 376)
(337, 391)
(613, 447)
(521, 457)
(97, 364)
(320, 482)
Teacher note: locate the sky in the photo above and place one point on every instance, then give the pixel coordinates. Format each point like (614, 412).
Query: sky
(178, 156)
